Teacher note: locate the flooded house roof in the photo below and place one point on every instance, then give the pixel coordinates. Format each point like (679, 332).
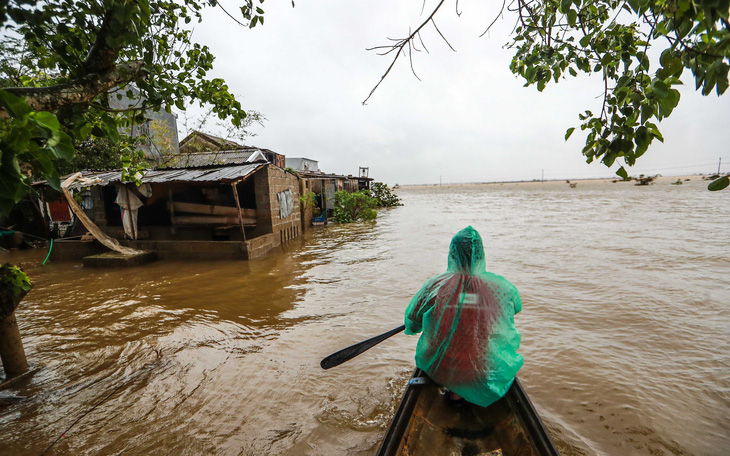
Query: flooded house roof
(224, 174)
(207, 141)
(197, 141)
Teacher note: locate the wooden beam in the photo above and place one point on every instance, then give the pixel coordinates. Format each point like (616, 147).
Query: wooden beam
(212, 220)
(209, 209)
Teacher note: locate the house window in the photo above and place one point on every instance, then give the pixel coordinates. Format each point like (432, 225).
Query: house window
(144, 133)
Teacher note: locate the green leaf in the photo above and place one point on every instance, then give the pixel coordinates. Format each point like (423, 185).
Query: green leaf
(719, 184)
(660, 89)
(622, 172)
(647, 110)
(569, 132)
(16, 106)
(722, 83)
(572, 17)
(670, 102)
(64, 149)
(54, 180)
(48, 120)
(85, 131)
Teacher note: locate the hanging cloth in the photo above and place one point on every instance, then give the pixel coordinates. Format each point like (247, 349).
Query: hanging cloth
(129, 204)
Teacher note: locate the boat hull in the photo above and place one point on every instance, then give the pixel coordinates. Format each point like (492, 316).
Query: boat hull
(426, 423)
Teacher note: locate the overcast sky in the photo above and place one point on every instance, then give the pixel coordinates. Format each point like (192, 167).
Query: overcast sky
(468, 119)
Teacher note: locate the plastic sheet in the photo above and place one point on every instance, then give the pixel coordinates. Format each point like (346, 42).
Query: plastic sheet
(107, 241)
(469, 342)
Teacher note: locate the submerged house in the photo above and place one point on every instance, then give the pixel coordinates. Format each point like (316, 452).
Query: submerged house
(325, 185)
(210, 206)
(214, 199)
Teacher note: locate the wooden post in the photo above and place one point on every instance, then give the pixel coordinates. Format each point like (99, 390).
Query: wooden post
(238, 206)
(11, 347)
(172, 209)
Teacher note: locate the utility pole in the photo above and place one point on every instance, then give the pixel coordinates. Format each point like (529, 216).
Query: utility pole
(718, 165)
(543, 175)
(440, 180)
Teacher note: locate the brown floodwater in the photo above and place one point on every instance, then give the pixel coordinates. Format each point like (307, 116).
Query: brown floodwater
(625, 327)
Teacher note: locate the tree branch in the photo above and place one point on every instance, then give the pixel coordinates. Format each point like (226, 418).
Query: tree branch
(101, 56)
(142, 108)
(401, 44)
(79, 91)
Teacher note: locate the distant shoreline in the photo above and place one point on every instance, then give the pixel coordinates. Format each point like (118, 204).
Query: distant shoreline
(583, 181)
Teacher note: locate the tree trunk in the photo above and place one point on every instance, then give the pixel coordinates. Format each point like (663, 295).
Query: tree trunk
(11, 348)
(80, 91)
(12, 353)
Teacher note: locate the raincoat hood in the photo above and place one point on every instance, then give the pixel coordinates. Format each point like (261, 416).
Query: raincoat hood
(466, 253)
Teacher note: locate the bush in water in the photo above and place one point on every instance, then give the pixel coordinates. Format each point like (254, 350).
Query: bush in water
(384, 195)
(351, 207)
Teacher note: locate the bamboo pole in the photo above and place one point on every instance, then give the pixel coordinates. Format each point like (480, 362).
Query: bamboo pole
(234, 187)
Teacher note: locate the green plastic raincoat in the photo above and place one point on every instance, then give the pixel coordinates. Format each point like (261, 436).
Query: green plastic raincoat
(469, 342)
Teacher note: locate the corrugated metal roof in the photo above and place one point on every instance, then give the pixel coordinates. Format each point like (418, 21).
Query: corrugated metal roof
(217, 158)
(219, 143)
(159, 176)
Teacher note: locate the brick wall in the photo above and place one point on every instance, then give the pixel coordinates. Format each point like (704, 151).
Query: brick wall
(269, 225)
(97, 212)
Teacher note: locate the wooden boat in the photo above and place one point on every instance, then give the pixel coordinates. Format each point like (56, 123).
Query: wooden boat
(427, 424)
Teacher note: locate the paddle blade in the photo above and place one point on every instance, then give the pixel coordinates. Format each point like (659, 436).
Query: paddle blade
(346, 354)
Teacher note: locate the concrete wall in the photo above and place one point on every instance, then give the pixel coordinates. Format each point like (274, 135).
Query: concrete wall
(193, 250)
(74, 250)
(302, 164)
(164, 136)
(259, 246)
(166, 250)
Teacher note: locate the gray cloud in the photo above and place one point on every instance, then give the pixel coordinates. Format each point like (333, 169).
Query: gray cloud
(468, 119)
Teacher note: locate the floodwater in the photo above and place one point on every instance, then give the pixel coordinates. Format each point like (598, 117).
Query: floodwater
(625, 328)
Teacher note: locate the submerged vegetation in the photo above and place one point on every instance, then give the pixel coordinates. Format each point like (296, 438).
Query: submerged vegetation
(352, 207)
(384, 195)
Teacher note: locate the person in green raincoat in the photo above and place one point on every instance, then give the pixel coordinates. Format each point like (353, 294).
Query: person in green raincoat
(469, 342)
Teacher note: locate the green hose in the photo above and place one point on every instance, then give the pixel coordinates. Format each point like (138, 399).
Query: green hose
(49, 252)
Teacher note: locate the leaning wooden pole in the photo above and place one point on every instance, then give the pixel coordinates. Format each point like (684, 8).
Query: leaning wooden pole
(234, 187)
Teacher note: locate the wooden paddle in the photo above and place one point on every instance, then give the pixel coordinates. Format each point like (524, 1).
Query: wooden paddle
(346, 354)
